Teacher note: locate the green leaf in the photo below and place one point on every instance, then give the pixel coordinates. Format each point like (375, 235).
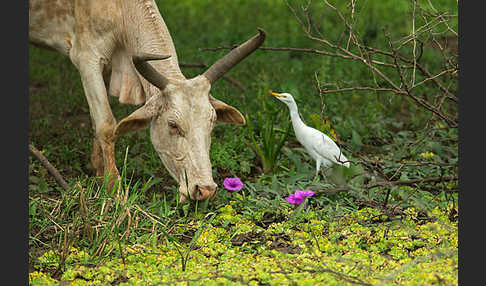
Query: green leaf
(356, 141)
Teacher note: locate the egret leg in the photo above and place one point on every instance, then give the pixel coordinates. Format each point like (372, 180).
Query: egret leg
(326, 172)
(318, 166)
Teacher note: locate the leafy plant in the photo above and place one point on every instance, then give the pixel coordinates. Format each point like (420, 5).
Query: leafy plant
(184, 255)
(267, 140)
(269, 145)
(230, 154)
(324, 125)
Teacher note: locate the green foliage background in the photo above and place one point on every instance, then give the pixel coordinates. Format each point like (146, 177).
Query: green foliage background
(343, 237)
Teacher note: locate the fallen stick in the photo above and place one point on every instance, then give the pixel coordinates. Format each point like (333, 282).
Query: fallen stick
(393, 183)
(52, 170)
(411, 182)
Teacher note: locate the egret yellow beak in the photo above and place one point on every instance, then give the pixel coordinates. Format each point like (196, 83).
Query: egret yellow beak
(275, 94)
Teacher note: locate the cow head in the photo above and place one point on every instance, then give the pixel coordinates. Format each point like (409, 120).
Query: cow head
(182, 117)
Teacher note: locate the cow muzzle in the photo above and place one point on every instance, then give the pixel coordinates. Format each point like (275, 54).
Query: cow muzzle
(204, 192)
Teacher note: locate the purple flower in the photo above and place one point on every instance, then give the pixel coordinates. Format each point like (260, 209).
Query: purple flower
(299, 196)
(306, 193)
(233, 184)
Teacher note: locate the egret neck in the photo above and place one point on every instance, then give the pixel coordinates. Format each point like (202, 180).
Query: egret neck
(297, 123)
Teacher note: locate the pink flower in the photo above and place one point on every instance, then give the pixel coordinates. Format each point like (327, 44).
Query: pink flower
(299, 196)
(233, 184)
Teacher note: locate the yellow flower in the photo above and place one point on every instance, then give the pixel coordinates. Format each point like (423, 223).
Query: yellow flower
(426, 155)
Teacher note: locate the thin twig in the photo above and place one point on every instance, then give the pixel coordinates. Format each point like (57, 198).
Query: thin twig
(312, 51)
(192, 65)
(411, 181)
(361, 88)
(52, 170)
(305, 50)
(228, 78)
(414, 44)
(451, 121)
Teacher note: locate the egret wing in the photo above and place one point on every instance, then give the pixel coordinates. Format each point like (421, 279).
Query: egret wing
(328, 149)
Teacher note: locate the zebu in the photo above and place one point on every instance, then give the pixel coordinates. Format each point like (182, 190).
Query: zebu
(110, 43)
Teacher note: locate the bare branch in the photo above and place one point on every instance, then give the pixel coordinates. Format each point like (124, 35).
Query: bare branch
(229, 79)
(412, 181)
(361, 88)
(192, 65)
(52, 170)
(409, 92)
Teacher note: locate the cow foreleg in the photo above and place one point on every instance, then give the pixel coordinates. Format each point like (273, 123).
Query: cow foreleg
(102, 119)
(97, 158)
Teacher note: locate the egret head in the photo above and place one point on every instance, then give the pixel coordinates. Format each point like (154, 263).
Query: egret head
(284, 97)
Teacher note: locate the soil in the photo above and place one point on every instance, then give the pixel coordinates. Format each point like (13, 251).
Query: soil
(248, 237)
(119, 279)
(280, 242)
(269, 218)
(187, 236)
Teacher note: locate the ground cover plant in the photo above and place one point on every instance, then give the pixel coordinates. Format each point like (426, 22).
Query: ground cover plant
(380, 77)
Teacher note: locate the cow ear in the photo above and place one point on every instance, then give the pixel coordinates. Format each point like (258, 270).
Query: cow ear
(141, 117)
(227, 113)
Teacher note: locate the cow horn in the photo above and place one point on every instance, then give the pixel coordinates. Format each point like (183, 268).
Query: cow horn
(148, 72)
(224, 64)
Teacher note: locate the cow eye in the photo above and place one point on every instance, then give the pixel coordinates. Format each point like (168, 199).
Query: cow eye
(174, 128)
(173, 125)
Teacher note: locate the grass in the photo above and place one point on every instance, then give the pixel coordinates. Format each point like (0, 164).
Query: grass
(365, 247)
(349, 232)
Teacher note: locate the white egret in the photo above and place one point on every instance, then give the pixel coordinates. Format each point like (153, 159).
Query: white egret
(319, 146)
